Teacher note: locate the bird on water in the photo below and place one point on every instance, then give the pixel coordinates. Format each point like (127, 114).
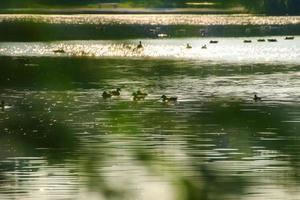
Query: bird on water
(140, 46)
(139, 95)
(256, 98)
(166, 99)
(106, 95)
(116, 92)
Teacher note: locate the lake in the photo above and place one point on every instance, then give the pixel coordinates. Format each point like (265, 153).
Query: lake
(60, 139)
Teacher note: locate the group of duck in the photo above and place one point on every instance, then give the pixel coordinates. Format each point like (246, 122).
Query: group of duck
(137, 95)
(270, 39)
(188, 46)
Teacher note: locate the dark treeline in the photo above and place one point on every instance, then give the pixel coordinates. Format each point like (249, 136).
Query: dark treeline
(270, 7)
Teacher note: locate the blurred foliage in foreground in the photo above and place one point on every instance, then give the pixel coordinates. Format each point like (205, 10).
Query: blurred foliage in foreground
(271, 7)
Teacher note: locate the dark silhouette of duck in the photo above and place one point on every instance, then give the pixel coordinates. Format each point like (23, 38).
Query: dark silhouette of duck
(115, 92)
(204, 47)
(106, 95)
(2, 105)
(140, 46)
(256, 98)
(166, 99)
(247, 41)
(289, 37)
(139, 95)
(213, 42)
(188, 46)
(261, 40)
(61, 50)
(272, 40)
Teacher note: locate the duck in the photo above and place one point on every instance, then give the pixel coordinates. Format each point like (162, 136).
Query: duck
(213, 41)
(140, 46)
(188, 46)
(106, 95)
(272, 40)
(139, 95)
(115, 92)
(204, 47)
(166, 99)
(2, 105)
(247, 41)
(256, 98)
(61, 50)
(261, 40)
(289, 37)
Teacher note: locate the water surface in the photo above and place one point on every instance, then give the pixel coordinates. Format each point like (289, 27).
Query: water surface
(59, 139)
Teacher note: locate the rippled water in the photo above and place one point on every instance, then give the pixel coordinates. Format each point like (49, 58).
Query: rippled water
(163, 19)
(65, 141)
(59, 139)
(231, 50)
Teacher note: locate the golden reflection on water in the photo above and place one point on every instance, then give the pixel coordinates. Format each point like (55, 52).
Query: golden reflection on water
(229, 50)
(163, 19)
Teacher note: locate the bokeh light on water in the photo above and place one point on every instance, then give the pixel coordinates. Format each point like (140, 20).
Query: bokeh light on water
(228, 50)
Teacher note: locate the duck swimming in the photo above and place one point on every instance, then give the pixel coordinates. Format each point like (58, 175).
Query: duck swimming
(247, 41)
(61, 50)
(2, 105)
(272, 40)
(289, 37)
(166, 99)
(140, 46)
(204, 47)
(106, 95)
(139, 95)
(213, 42)
(188, 46)
(261, 40)
(116, 92)
(256, 98)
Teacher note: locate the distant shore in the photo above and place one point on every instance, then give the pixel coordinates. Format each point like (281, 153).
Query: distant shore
(120, 11)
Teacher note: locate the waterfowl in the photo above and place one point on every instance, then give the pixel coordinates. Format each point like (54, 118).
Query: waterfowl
(204, 47)
(2, 105)
(213, 42)
(289, 37)
(106, 95)
(261, 40)
(59, 50)
(247, 41)
(168, 99)
(188, 46)
(139, 46)
(116, 92)
(139, 95)
(272, 40)
(256, 98)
